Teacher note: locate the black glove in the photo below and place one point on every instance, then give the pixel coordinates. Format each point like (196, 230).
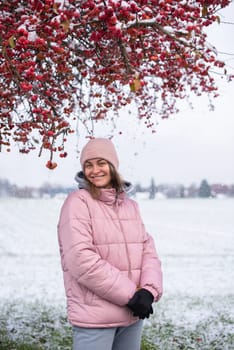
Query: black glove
(141, 303)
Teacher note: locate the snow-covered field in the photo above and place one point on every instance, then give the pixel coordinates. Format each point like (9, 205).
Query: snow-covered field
(194, 238)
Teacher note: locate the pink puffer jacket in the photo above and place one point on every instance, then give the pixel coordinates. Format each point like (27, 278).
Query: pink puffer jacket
(106, 255)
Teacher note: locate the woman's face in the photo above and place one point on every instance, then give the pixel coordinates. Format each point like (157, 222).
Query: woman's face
(97, 171)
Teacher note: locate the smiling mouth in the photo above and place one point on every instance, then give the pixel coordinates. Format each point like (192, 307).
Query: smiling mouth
(97, 177)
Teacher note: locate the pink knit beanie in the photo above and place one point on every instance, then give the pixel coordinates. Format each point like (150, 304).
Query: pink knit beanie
(99, 148)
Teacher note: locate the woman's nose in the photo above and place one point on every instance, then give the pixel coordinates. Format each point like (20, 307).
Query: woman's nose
(95, 168)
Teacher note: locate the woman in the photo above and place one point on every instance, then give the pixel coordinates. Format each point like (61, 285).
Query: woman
(112, 273)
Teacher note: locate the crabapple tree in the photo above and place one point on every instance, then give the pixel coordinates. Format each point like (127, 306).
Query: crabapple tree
(66, 59)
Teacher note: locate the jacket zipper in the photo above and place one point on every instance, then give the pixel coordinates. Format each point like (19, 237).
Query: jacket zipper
(125, 243)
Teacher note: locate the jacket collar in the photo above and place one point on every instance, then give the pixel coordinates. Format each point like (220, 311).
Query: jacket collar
(109, 196)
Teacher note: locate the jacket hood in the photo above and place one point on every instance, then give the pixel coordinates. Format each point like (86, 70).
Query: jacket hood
(82, 184)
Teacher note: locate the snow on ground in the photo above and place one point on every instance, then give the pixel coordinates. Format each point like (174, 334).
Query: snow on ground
(29, 253)
(194, 238)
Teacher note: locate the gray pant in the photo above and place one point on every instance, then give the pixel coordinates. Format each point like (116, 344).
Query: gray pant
(115, 338)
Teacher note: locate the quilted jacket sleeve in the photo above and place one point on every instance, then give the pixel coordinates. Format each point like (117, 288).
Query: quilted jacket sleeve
(80, 258)
(151, 276)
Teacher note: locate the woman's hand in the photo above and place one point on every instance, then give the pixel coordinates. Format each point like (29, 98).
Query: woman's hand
(141, 303)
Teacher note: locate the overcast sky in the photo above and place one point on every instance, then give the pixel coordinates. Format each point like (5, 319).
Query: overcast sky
(188, 147)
